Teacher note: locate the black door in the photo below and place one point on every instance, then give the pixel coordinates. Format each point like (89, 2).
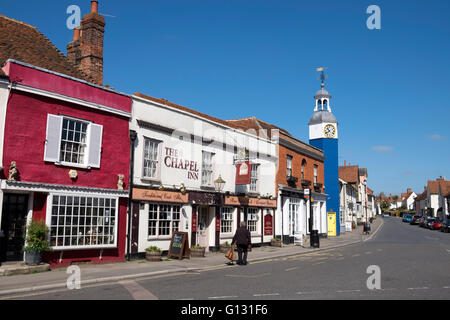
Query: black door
(14, 217)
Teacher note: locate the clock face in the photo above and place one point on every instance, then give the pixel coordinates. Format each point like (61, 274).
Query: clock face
(330, 131)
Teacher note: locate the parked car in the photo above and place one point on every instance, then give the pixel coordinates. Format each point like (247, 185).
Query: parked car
(436, 225)
(424, 221)
(408, 217)
(430, 221)
(386, 214)
(415, 219)
(405, 217)
(445, 225)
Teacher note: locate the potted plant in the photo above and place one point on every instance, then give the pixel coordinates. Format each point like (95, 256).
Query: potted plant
(197, 251)
(36, 242)
(225, 247)
(275, 242)
(153, 253)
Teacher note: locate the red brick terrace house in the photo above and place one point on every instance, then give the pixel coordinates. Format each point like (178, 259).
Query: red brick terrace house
(65, 145)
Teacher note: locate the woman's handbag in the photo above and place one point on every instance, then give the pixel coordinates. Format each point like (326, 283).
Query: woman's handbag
(249, 248)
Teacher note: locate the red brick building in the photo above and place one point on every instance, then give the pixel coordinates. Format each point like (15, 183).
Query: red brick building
(300, 168)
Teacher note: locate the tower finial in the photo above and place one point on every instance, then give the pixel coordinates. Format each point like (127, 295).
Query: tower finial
(322, 76)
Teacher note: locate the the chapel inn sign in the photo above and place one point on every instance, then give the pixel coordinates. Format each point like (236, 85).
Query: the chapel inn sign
(173, 159)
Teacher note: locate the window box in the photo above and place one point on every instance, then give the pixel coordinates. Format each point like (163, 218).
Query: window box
(306, 183)
(291, 179)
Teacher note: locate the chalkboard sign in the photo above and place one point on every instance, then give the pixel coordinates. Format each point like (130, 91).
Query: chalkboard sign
(179, 246)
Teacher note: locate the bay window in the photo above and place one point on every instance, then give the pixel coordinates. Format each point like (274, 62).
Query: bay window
(83, 221)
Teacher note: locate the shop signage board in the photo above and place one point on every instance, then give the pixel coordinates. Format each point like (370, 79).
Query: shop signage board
(306, 193)
(251, 202)
(243, 172)
(179, 246)
(268, 225)
(194, 222)
(204, 198)
(159, 196)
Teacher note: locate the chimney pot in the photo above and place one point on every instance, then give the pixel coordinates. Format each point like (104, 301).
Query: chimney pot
(76, 34)
(345, 163)
(94, 6)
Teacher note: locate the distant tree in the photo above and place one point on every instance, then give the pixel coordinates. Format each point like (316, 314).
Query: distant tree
(385, 205)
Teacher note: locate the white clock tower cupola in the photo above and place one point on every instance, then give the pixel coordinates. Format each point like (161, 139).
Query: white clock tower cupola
(323, 124)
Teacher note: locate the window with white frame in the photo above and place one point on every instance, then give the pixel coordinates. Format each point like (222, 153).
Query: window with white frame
(315, 173)
(83, 221)
(163, 219)
(151, 159)
(254, 178)
(226, 220)
(252, 219)
(207, 168)
(289, 166)
(74, 142)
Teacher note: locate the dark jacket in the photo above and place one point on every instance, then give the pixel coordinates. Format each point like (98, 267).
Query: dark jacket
(242, 236)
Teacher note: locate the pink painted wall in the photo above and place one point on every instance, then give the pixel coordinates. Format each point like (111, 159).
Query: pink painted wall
(24, 142)
(61, 85)
(25, 130)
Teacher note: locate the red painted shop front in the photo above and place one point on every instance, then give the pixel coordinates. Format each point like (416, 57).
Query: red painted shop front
(70, 144)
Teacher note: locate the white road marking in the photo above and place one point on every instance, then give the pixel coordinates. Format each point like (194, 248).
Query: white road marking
(290, 269)
(420, 288)
(448, 287)
(223, 297)
(265, 294)
(345, 291)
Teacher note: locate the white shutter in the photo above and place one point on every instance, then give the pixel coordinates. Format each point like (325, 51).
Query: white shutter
(95, 145)
(53, 138)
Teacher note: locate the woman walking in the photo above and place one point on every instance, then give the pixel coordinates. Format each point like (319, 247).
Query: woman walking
(243, 240)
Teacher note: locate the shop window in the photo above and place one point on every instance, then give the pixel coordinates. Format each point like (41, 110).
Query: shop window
(226, 220)
(151, 159)
(72, 141)
(80, 221)
(252, 219)
(163, 219)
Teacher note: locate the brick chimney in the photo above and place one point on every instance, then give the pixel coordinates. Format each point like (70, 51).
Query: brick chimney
(86, 48)
(409, 190)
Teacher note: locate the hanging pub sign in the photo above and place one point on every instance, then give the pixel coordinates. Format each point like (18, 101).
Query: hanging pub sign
(243, 172)
(179, 246)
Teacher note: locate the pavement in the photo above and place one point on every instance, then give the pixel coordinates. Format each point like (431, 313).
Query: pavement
(114, 272)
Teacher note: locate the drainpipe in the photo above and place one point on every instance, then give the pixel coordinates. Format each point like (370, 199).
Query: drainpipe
(133, 136)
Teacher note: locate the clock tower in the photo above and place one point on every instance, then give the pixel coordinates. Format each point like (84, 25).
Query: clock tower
(323, 134)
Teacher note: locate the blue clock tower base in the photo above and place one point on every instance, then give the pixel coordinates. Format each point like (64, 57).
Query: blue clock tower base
(331, 175)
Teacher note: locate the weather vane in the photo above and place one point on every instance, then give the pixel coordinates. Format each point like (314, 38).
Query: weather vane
(322, 76)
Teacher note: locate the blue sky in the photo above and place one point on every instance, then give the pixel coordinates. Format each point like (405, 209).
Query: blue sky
(241, 58)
